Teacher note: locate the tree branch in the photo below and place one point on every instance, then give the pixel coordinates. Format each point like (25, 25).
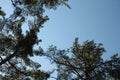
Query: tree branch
(9, 57)
(74, 68)
(22, 72)
(13, 3)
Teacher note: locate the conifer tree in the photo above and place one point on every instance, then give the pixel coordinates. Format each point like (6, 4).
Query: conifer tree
(17, 45)
(84, 62)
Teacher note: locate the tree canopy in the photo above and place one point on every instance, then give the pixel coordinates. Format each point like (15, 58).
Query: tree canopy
(79, 62)
(17, 45)
(84, 62)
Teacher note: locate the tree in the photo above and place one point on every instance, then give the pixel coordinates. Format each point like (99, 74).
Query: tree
(84, 62)
(16, 46)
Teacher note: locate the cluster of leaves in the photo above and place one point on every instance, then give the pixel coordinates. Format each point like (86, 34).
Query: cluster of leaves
(84, 62)
(16, 47)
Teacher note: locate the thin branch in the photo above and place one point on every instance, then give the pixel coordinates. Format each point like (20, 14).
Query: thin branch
(22, 72)
(53, 77)
(13, 3)
(9, 57)
(74, 68)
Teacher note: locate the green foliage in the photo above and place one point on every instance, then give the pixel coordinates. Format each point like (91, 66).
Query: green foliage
(17, 45)
(84, 62)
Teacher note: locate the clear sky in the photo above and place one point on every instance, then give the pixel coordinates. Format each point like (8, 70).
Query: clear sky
(97, 20)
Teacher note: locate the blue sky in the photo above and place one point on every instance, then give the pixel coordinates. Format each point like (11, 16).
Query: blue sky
(97, 20)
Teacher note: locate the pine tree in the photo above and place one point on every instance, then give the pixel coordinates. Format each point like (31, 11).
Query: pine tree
(17, 45)
(84, 62)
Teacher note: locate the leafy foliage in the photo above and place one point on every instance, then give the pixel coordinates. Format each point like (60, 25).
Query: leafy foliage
(84, 62)
(16, 46)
